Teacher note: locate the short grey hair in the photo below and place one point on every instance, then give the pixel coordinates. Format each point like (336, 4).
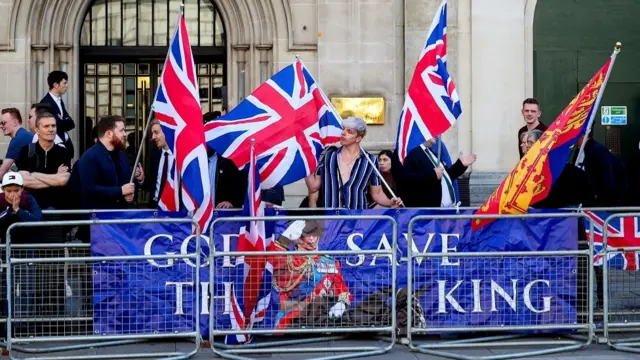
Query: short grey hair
(535, 134)
(356, 123)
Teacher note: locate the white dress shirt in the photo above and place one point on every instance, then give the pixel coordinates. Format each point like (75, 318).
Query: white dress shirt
(58, 101)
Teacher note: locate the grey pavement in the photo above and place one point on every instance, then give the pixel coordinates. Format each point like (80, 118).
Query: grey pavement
(398, 352)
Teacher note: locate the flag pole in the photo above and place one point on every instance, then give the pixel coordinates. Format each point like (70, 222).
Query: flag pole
(616, 51)
(375, 168)
(146, 126)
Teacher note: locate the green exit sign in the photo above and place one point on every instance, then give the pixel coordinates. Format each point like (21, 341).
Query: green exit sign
(613, 115)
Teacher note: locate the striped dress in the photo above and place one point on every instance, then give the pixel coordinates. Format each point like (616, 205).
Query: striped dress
(352, 194)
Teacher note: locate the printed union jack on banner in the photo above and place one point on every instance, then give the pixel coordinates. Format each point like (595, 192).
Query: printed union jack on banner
(431, 105)
(291, 120)
(251, 295)
(623, 232)
(177, 107)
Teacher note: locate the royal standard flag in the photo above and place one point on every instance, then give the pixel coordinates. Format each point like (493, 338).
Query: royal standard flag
(530, 181)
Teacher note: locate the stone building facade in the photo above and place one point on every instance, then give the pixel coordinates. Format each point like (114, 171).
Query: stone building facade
(353, 47)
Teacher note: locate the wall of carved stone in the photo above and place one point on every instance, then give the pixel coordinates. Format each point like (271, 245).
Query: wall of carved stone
(353, 47)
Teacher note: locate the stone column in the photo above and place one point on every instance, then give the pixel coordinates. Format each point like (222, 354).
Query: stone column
(41, 86)
(64, 57)
(241, 62)
(264, 61)
(498, 87)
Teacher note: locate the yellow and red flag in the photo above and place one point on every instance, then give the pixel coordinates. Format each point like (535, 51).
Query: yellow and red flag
(531, 180)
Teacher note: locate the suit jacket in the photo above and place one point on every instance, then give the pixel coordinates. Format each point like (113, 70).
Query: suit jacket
(99, 183)
(606, 174)
(570, 189)
(231, 183)
(417, 182)
(64, 122)
(151, 177)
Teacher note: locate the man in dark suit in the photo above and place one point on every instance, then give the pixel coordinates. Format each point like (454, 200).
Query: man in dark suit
(228, 184)
(161, 162)
(425, 182)
(58, 85)
(606, 175)
(104, 170)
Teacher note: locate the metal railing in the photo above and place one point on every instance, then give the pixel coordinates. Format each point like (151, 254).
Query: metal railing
(25, 326)
(315, 314)
(492, 262)
(622, 302)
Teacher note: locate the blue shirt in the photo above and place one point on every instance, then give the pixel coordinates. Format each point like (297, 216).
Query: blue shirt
(22, 139)
(352, 193)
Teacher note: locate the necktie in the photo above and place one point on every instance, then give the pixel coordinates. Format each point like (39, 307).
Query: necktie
(165, 173)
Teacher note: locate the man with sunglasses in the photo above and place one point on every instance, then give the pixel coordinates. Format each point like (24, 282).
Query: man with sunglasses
(11, 125)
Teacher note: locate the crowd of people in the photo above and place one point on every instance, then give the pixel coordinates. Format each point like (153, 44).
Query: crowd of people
(40, 157)
(594, 178)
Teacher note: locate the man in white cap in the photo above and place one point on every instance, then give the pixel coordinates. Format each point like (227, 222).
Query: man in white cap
(344, 175)
(15, 202)
(17, 206)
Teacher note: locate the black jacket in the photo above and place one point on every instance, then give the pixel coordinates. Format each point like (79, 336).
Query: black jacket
(64, 122)
(607, 176)
(151, 177)
(417, 182)
(231, 183)
(570, 190)
(33, 158)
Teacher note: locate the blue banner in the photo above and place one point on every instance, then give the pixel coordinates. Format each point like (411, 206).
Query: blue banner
(352, 290)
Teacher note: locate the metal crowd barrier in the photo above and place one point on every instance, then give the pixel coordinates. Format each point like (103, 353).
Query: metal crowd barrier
(483, 261)
(621, 303)
(70, 317)
(308, 319)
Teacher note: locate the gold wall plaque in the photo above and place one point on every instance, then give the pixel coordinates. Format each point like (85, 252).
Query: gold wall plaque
(370, 109)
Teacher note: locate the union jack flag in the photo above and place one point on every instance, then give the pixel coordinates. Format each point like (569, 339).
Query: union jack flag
(250, 298)
(431, 105)
(291, 120)
(623, 232)
(177, 107)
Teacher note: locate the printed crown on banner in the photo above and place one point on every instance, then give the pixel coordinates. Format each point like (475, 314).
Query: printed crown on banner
(291, 120)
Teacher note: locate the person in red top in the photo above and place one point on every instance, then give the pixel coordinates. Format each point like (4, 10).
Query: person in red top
(531, 113)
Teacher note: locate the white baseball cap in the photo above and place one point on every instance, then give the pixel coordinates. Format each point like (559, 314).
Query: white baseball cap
(12, 178)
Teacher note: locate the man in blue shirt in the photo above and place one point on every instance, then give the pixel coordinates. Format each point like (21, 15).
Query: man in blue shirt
(12, 127)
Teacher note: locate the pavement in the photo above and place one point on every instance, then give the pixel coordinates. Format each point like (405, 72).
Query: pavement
(328, 348)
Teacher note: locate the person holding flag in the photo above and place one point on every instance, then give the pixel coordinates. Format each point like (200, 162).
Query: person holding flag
(425, 180)
(345, 174)
(531, 180)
